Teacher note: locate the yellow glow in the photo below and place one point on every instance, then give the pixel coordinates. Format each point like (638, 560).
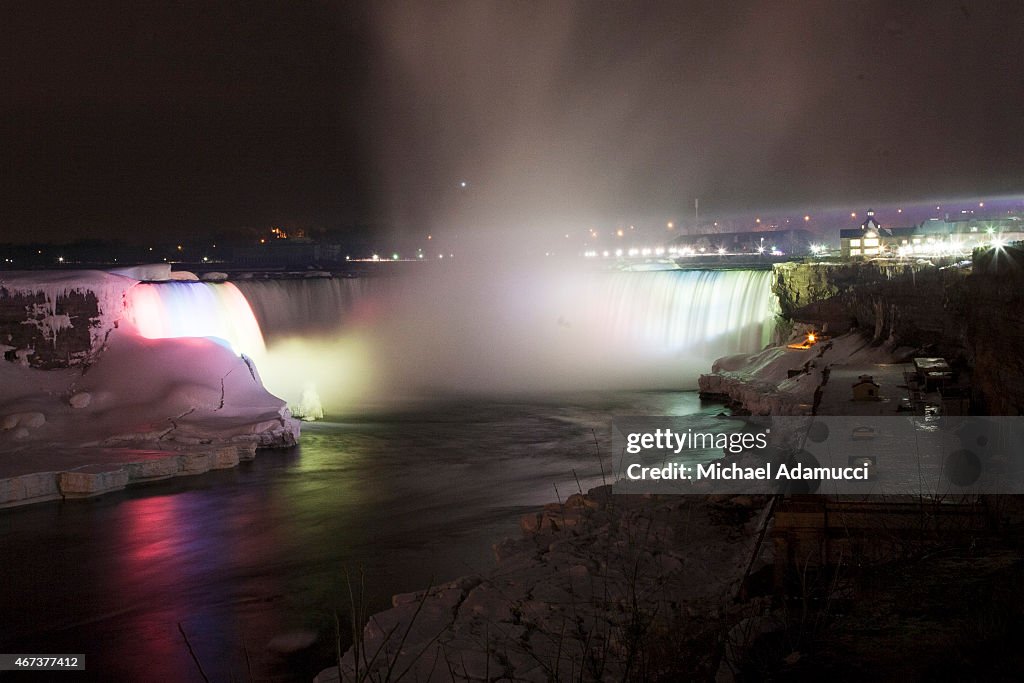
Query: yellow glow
(341, 370)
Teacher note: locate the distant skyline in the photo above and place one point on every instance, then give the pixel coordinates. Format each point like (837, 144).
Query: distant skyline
(142, 121)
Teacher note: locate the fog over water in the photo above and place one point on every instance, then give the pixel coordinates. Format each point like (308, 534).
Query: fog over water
(486, 329)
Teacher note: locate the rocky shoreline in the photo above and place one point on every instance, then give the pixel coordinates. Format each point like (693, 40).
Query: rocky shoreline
(87, 472)
(600, 587)
(623, 587)
(786, 380)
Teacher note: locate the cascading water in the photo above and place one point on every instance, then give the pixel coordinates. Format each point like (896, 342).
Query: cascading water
(290, 307)
(195, 309)
(380, 339)
(505, 330)
(691, 311)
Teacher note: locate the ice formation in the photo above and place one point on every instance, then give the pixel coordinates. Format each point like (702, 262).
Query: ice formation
(161, 375)
(108, 288)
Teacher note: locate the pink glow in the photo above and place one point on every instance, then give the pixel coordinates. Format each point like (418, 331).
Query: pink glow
(195, 309)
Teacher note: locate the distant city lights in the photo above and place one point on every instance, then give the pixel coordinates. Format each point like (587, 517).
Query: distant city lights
(918, 231)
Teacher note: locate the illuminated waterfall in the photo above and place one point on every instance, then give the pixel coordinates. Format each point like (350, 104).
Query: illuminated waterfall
(196, 309)
(539, 329)
(358, 341)
(659, 312)
(290, 307)
(702, 312)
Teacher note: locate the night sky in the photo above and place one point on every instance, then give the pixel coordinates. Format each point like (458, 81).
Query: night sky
(141, 120)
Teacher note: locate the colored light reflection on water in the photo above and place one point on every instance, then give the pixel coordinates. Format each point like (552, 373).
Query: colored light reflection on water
(237, 557)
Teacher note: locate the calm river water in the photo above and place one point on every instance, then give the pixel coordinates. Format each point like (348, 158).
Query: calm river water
(242, 556)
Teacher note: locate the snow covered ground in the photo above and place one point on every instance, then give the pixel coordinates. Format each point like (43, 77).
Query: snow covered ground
(141, 400)
(781, 380)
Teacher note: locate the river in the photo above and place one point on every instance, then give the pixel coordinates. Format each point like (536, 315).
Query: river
(394, 500)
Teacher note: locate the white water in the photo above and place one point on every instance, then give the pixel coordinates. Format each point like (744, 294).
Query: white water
(697, 312)
(308, 305)
(195, 309)
(377, 340)
(360, 341)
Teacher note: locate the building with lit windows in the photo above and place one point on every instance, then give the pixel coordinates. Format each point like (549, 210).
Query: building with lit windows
(935, 237)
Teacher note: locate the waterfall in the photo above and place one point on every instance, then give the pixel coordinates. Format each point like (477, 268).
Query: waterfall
(698, 312)
(668, 311)
(499, 329)
(350, 341)
(195, 309)
(309, 305)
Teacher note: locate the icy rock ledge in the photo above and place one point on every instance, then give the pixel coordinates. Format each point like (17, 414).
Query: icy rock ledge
(591, 583)
(147, 408)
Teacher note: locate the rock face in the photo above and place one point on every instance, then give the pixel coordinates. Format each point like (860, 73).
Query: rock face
(911, 304)
(992, 311)
(58, 319)
(970, 315)
(600, 588)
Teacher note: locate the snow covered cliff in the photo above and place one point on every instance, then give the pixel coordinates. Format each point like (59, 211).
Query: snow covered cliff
(111, 395)
(59, 318)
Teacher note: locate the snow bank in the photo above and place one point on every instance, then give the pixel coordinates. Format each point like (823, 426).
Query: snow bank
(782, 380)
(141, 392)
(753, 382)
(153, 272)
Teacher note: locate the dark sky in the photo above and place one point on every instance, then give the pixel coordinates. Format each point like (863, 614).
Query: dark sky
(147, 120)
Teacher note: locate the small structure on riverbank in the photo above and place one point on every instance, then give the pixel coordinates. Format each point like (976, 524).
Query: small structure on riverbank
(866, 389)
